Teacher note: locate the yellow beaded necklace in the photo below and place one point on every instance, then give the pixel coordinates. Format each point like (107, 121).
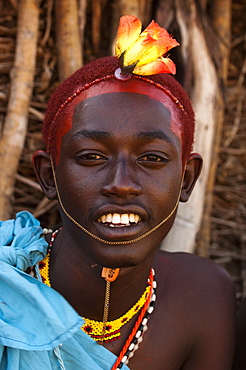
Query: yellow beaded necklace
(110, 330)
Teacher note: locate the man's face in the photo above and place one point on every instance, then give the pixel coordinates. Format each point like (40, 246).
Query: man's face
(120, 174)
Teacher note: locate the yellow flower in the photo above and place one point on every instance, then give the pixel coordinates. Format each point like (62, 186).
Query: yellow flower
(142, 53)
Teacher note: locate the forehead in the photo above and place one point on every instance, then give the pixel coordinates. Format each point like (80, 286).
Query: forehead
(69, 114)
(138, 87)
(131, 111)
(121, 120)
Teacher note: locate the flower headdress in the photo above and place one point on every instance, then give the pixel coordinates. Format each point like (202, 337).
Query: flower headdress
(143, 53)
(142, 57)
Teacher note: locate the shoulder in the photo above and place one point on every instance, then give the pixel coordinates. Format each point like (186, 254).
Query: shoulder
(202, 287)
(193, 271)
(198, 296)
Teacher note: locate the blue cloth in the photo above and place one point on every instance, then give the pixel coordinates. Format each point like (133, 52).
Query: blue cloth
(21, 244)
(38, 327)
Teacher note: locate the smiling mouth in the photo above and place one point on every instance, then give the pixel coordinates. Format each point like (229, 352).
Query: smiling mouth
(119, 220)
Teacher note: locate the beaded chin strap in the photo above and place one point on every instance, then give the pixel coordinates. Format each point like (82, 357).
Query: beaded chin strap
(122, 242)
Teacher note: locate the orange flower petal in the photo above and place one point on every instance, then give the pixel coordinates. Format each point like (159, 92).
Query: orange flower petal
(128, 32)
(137, 50)
(161, 65)
(157, 49)
(144, 50)
(156, 31)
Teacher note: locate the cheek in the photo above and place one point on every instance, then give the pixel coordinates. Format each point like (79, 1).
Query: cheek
(163, 194)
(70, 183)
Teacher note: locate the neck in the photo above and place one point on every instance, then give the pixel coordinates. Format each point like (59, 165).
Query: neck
(78, 279)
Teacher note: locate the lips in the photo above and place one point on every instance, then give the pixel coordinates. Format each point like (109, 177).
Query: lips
(119, 219)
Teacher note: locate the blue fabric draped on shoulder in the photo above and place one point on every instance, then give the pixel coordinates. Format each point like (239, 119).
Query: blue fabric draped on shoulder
(21, 241)
(34, 318)
(32, 315)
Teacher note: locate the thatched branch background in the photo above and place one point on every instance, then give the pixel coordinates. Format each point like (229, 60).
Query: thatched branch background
(211, 66)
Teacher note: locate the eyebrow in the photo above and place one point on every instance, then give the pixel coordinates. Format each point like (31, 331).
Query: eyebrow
(91, 134)
(153, 135)
(146, 136)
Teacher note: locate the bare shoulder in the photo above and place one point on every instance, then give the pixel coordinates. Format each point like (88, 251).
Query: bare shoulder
(197, 297)
(195, 274)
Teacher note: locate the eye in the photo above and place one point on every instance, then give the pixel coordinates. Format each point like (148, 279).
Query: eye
(153, 159)
(90, 158)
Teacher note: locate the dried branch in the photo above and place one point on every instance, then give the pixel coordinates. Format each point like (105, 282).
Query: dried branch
(203, 95)
(241, 98)
(36, 113)
(50, 4)
(96, 24)
(15, 126)
(82, 4)
(27, 181)
(45, 208)
(68, 39)
(222, 23)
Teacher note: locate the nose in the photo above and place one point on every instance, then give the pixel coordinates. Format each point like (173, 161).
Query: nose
(122, 181)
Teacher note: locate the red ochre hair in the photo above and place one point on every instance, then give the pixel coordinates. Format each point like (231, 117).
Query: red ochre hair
(56, 122)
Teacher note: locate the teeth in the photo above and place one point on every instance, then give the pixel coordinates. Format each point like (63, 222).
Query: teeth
(103, 219)
(117, 219)
(109, 217)
(124, 219)
(131, 217)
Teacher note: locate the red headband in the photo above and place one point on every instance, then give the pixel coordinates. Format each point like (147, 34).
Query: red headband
(100, 86)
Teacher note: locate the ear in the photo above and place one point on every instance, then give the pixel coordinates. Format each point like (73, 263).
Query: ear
(43, 172)
(192, 172)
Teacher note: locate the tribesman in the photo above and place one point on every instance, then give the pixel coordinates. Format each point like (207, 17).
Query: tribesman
(98, 294)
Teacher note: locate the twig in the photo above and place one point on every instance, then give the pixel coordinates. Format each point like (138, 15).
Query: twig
(28, 182)
(14, 3)
(36, 113)
(48, 23)
(239, 107)
(43, 203)
(7, 31)
(233, 224)
(82, 4)
(22, 76)
(231, 254)
(68, 40)
(41, 211)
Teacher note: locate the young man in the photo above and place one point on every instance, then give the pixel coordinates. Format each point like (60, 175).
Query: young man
(118, 160)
